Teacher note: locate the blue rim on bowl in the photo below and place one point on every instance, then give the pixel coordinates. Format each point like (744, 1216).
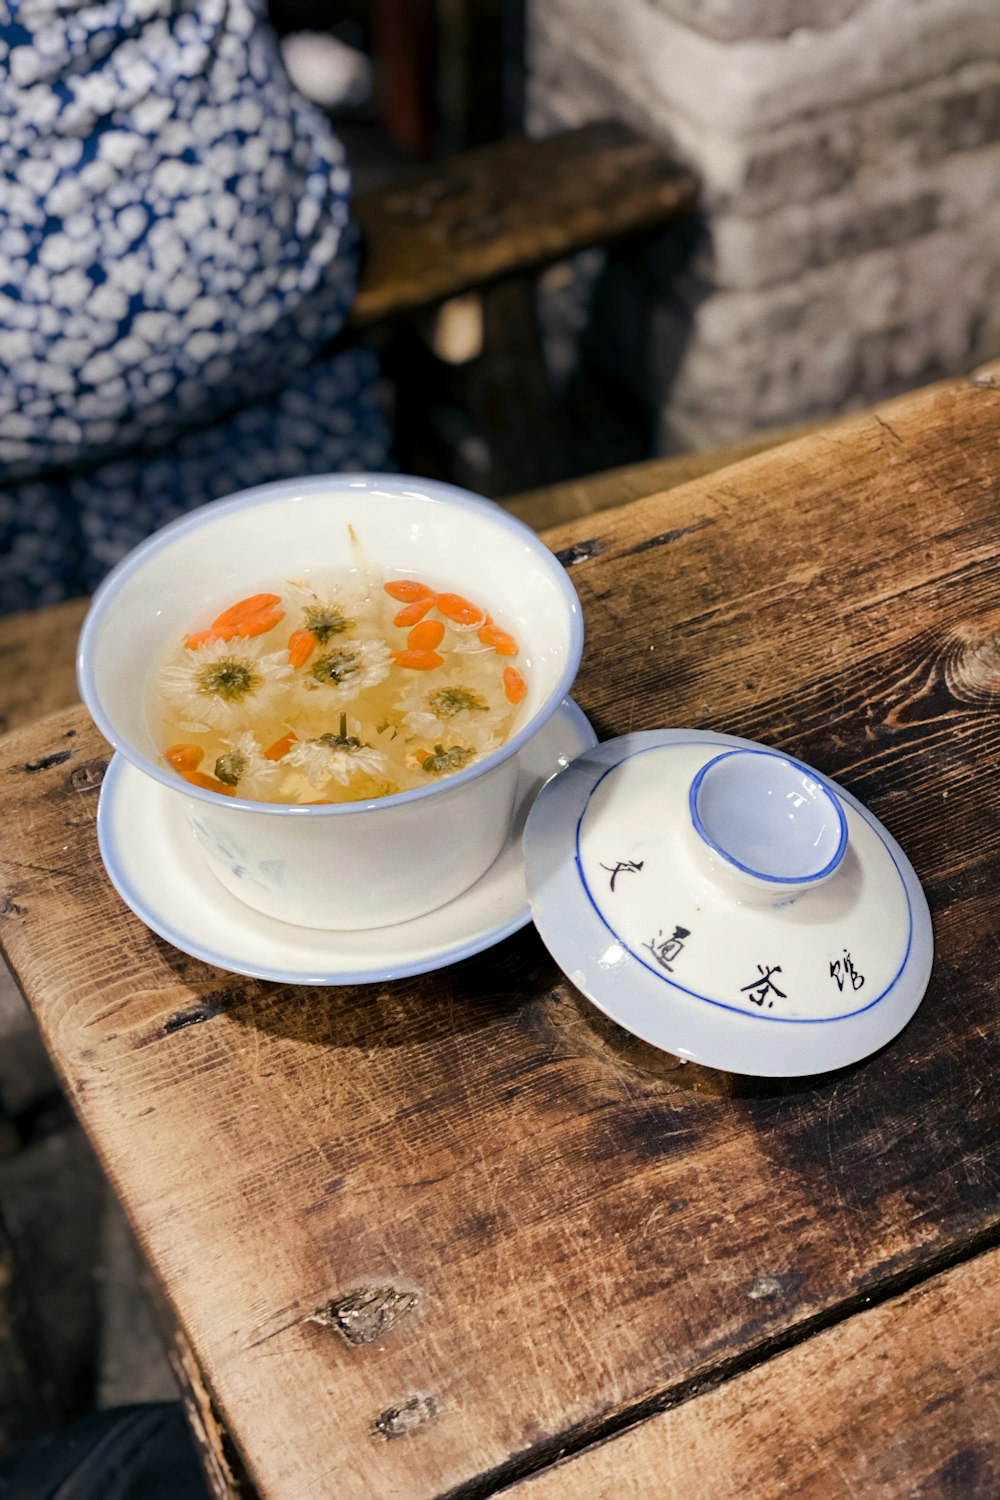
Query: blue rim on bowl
(810, 877)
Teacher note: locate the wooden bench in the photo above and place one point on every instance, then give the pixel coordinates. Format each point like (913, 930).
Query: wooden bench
(459, 245)
(509, 209)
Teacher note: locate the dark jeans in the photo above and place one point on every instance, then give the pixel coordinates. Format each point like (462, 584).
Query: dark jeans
(128, 1453)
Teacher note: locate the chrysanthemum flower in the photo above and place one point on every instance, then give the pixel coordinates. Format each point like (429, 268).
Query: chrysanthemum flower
(334, 612)
(452, 707)
(441, 759)
(336, 757)
(224, 684)
(345, 670)
(244, 767)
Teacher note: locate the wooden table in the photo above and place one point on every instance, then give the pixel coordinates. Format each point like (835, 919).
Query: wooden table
(459, 1236)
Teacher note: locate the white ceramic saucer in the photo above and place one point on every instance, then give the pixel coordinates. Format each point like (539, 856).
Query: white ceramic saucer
(157, 869)
(774, 975)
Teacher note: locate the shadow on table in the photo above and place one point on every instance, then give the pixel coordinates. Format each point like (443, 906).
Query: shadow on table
(515, 982)
(464, 997)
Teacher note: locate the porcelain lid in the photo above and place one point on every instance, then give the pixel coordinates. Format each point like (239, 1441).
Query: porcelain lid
(726, 903)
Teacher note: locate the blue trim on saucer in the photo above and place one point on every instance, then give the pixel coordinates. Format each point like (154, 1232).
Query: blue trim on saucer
(153, 918)
(778, 880)
(708, 999)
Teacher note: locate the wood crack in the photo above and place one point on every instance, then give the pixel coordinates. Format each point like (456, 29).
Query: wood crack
(572, 1442)
(46, 762)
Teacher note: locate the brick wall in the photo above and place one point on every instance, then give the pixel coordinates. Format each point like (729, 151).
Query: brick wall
(850, 155)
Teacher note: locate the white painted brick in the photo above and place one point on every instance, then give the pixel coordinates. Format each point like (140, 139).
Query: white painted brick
(758, 170)
(734, 19)
(882, 47)
(764, 249)
(856, 329)
(851, 186)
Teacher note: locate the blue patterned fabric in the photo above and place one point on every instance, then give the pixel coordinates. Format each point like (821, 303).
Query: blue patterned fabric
(175, 249)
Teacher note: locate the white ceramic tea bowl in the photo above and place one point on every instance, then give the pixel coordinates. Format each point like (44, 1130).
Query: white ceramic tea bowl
(350, 865)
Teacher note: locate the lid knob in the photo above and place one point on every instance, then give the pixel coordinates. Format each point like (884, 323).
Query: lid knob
(765, 826)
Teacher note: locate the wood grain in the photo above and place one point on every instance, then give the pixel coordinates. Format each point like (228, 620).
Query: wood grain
(551, 505)
(38, 662)
(899, 1403)
(578, 1228)
(511, 207)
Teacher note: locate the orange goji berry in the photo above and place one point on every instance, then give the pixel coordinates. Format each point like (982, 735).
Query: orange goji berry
(301, 645)
(185, 757)
(250, 624)
(411, 613)
(514, 684)
(408, 589)
(198, 778)
(255, 605)
(418, 661)
(281, 747)
(503, 643)
(256, 624)
(425, 636)
(460, 611)
(200, 638)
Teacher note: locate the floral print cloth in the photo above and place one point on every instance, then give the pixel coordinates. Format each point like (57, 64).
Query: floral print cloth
(175, 250)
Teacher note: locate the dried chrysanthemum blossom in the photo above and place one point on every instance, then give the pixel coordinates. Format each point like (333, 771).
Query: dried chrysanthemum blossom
(224, 684)
(346, 670)
(245, 768)
(456, 701)
(326, 620)
(338, 757)
(322, 618)
(452, 707)
(443, 759)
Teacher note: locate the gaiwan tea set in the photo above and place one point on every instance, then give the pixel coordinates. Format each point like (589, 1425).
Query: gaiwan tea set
(346, 752)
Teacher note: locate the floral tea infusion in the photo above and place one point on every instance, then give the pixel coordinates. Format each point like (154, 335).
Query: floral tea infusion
(337, 691)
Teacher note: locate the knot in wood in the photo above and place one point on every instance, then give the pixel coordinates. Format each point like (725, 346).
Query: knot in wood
(400, 1421)
(972, 669)
(580, 552)
(88, 776)
(206, 1010)
(765, 1288)
(365, 1315)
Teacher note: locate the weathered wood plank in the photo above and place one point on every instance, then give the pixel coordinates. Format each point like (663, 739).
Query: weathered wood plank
(514, 206)
(569, 500)
(575, 1227)
(38, 662)
(550, 505)
(220, 1465)
(900, 1402)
